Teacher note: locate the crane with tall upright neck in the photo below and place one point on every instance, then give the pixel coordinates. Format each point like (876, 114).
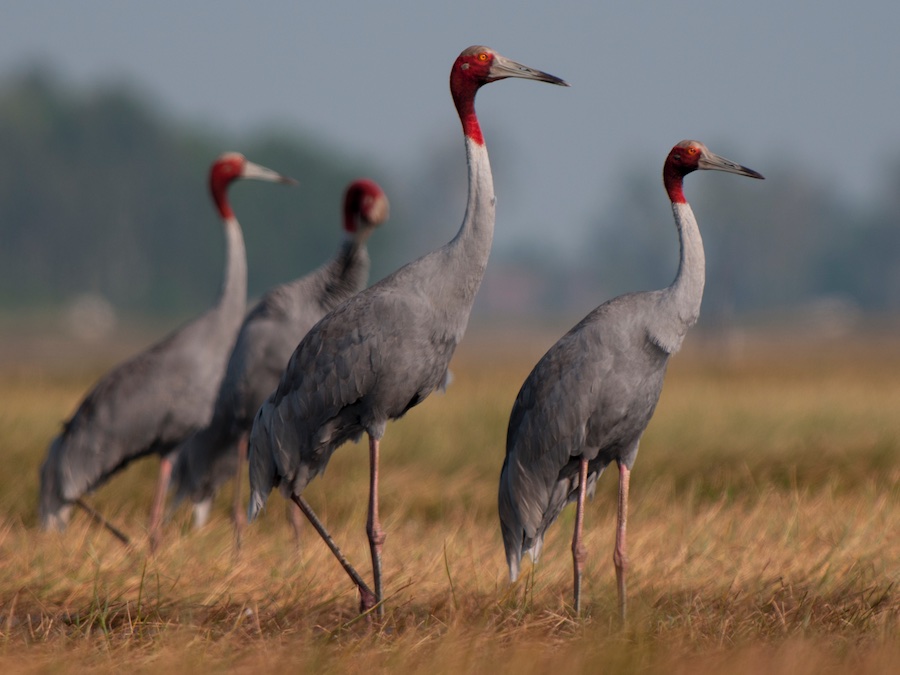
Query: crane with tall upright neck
(588, 400)
(152, 402)
(387, 348)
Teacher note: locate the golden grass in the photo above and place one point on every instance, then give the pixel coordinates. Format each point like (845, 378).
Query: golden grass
(764, 535)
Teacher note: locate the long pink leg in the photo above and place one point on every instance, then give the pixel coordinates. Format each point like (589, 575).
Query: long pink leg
(159, 500)
(373, 526)
(579, 553)
(239, 518)
(620, 556)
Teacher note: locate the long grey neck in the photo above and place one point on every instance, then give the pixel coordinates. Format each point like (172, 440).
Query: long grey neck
(471, 247)
(232, 301)
(346, 275)
(679, 306)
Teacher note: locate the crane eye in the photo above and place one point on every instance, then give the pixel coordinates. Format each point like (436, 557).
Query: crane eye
(483, 56)
(692, 150)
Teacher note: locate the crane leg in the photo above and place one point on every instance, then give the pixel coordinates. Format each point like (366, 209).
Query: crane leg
(373, 526)
(240, 520)
(579, 553)
(96, 517)
(159, 500)
(620, 556)
(296, 519)
(366, 597)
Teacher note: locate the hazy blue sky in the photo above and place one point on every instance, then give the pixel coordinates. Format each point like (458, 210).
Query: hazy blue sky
(815, 83)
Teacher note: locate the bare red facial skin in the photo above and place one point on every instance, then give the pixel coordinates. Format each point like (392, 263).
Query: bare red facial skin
(682, 159)
(358, 201)
(222, 173)
(470, 71)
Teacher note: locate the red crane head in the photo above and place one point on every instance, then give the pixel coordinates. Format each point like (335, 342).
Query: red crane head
(365, 206)
(477, 66)
(688, 156)
(229, 167)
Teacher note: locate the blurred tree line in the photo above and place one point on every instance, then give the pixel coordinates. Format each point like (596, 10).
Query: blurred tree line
(102, 193)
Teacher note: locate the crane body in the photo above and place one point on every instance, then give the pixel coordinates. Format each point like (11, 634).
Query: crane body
(150, 403)
(386, 349)
(589, 399)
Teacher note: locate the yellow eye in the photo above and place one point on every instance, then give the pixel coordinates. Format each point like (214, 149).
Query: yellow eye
(692, 150)
(482, 56)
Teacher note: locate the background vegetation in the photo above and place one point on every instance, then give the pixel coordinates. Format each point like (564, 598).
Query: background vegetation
(101, 193)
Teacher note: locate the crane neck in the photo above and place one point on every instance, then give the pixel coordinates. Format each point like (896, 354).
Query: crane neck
(219, 190)
(348, 272)
(686, 292)
(679, 304)
(233, 294)
(463, 92)
(472, 244)
(477, 230)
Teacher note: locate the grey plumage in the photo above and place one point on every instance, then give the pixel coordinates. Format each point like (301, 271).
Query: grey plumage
(352, 373)
(592, 394)
(386, 349)
(269, 334)
(589, 399)
(153, 401)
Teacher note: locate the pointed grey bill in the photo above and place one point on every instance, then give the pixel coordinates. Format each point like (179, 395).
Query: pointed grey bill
(503, 67)
(713, 162)
(258, 172)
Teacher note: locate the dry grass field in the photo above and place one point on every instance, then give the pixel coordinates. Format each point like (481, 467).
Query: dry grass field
(764, 535)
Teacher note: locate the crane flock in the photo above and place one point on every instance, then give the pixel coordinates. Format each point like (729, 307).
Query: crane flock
(271, 330)
(324, 360)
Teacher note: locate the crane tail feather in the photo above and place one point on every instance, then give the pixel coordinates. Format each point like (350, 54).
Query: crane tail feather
(257, 504)
(513, 570)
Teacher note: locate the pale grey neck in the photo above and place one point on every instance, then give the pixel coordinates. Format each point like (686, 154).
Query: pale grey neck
(679, 304)
(472, 244)
(686, 292)
(233, 295)
(347, 274)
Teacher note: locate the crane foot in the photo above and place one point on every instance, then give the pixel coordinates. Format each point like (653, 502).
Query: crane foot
(367, 600)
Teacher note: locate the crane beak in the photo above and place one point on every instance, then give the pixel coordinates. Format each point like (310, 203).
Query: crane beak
(258, 172)
(502, 67)
(713, 162)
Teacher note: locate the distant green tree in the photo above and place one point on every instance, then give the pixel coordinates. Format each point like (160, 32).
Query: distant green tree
(101, 192)
(865, 261)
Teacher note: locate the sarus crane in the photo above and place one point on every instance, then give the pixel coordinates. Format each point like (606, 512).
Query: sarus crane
(590, 397)
(155, 400)
(387, 348)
